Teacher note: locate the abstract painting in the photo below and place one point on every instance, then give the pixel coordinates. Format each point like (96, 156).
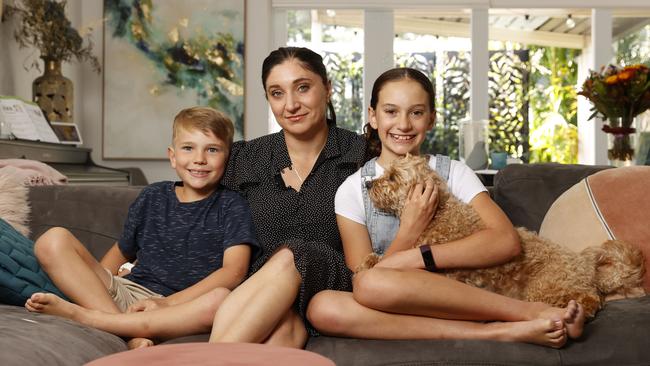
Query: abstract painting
(161, 56)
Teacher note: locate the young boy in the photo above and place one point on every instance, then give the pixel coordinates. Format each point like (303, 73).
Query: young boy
(188, 237)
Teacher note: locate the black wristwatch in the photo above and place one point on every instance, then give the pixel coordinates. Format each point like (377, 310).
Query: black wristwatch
(427, 257)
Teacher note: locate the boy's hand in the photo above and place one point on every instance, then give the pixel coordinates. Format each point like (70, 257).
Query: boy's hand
(148, 304)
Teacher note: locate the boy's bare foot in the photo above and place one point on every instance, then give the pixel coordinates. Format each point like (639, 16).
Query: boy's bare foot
(573, 316)
(134, 343)
(52, 304)
(544, 332)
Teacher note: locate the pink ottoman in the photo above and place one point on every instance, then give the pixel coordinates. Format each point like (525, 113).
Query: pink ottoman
(214, 354)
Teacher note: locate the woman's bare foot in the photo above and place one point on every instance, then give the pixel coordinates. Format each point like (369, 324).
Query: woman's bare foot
(544, 332)
(134, 343)
(573, 316)
(52, 304)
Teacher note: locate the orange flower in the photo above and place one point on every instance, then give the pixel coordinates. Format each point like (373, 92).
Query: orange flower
(618, 94)
(633, 67)
(626, 74)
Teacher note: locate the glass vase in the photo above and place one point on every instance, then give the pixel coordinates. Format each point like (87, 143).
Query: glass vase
(621, 149)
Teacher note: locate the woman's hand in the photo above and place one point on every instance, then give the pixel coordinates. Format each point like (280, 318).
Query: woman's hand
(419, 208)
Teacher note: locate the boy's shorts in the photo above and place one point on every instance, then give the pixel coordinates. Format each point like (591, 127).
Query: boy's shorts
(125, 292)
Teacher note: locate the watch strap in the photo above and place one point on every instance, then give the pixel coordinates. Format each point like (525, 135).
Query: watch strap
(427, 257)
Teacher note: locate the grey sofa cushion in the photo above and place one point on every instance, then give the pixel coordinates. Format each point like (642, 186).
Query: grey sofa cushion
(94, 214)
(525, 192)
(38, 339)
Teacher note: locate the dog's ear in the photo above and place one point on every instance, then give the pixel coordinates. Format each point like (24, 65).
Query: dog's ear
(619, 266)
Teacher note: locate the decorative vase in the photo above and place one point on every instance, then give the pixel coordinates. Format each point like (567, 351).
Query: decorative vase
(53, 92)
(621, 146)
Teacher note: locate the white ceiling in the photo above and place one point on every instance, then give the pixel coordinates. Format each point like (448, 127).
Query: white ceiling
(546, 27)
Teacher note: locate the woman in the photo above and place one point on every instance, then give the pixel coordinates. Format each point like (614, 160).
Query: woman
(397, 299)
(289, 179)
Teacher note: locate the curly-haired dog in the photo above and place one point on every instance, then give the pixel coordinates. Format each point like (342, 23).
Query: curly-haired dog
(544, 271)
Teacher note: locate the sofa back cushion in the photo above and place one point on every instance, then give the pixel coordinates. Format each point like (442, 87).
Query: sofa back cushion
(94, 214)
(526, 191)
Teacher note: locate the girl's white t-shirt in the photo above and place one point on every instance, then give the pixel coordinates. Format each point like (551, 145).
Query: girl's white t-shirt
(462, 183)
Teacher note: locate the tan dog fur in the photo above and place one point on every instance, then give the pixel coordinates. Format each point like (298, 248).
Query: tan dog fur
(544, 271)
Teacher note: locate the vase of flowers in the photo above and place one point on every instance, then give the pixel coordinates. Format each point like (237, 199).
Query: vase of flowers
(42, 24)
(619, 95)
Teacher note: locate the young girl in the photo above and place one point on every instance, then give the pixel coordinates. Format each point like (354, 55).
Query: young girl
(397, 298)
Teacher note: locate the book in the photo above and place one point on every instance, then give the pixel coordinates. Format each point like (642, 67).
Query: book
(25, 120)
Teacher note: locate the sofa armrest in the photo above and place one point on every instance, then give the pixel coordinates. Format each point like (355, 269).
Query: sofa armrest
(525, 192)
(94, 214)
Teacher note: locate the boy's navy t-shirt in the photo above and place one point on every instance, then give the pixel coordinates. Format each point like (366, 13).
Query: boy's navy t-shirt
(178, 244)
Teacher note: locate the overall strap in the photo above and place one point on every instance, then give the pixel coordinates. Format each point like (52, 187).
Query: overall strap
(367, 173)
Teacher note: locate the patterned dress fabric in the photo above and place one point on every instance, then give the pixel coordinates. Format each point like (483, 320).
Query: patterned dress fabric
(304, 221)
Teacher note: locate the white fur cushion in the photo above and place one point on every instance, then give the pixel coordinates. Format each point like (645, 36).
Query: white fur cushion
(14, 208)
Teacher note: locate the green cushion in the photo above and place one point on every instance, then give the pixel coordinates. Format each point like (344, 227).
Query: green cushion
(20, 273)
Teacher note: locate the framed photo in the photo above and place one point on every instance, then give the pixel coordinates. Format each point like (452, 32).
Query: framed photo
(67, 132)
(161, 56)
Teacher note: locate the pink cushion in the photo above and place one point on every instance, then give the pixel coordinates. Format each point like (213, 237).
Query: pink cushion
(611, 204)
(214, 354)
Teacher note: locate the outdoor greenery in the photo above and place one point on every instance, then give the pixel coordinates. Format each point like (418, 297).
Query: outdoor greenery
(346, 74)
(508, 104)
(634, 48)
(553, 101)
(533, 92)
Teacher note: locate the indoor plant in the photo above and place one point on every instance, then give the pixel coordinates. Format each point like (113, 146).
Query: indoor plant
(43, 25)
(618, 95)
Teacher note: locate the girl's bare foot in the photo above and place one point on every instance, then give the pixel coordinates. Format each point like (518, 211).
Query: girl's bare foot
(544, 332)
(573, 316)
(139, 343)
(52, 304)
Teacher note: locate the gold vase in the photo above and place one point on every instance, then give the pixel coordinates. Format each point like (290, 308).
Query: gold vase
(53, 92)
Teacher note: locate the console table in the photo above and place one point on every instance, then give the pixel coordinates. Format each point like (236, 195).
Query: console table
(73, 162)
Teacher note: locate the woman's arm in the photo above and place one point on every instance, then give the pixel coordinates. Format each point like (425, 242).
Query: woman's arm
(496, 244)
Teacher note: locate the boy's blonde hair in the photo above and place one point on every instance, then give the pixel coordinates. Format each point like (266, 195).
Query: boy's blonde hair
(205, 119)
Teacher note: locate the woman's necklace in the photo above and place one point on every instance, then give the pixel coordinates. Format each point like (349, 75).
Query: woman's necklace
(295, 170)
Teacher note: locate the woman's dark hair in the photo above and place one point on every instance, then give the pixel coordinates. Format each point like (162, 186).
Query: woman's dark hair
(373, 144)
(309, 59)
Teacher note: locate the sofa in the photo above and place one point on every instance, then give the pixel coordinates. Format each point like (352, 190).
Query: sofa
(617, 336)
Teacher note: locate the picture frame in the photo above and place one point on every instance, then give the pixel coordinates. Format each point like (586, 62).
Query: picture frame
(67, 132)
(162, 56)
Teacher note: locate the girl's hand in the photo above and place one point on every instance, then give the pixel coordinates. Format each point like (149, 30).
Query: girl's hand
(419, 208)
